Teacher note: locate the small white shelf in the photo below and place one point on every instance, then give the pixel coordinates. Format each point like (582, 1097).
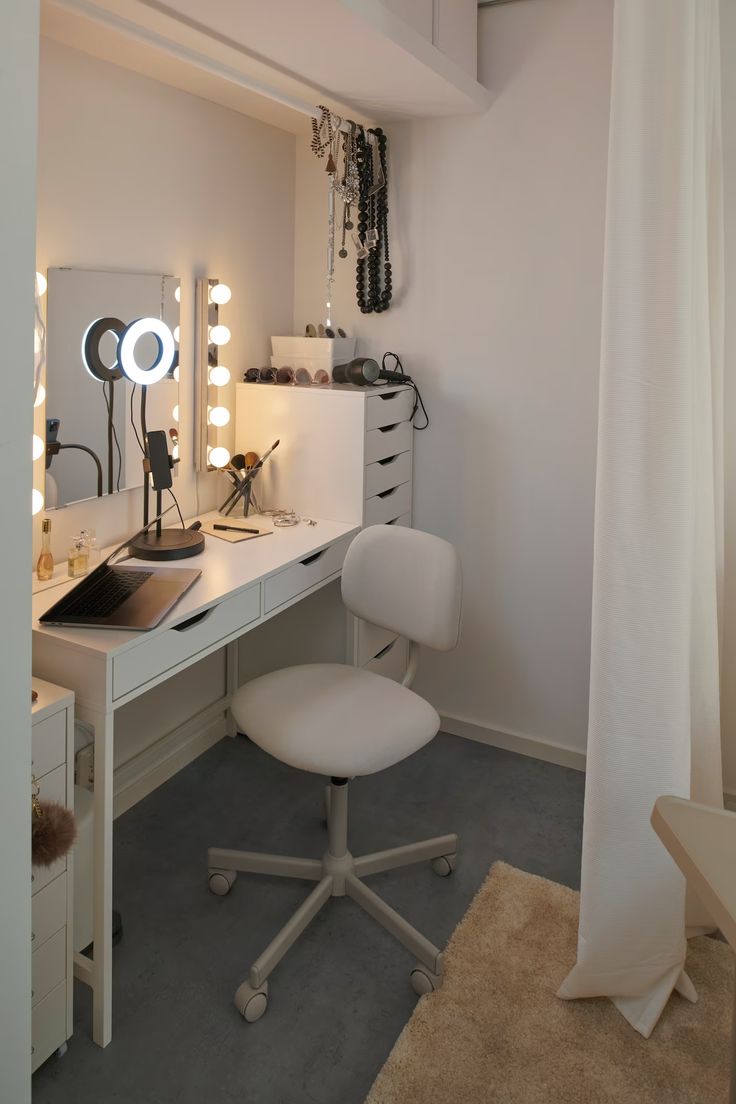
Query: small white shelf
(359, 56)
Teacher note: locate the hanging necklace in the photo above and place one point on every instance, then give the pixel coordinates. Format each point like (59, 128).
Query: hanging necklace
(373, 264)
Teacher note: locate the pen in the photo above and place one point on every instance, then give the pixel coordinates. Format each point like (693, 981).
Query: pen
(236, 529)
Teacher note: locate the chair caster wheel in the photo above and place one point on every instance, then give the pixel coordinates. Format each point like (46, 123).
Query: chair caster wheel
(222, 881)
(423, 980)
(444, 865)
(251, 1003)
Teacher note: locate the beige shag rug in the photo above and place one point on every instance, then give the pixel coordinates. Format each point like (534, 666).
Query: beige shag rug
(495, 1033)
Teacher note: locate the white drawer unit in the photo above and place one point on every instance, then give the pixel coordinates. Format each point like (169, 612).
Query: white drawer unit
(345, 453)
(52, 907)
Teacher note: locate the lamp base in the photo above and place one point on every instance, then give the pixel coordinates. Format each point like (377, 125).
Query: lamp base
(172, 544)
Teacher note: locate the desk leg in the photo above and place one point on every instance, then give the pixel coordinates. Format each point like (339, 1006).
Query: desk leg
(102, 884)
(232, 673)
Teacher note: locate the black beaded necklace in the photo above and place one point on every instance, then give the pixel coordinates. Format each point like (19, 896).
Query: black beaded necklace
(373, 225)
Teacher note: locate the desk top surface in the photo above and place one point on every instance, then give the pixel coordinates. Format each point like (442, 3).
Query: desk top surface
(702, 841)
(226, 569)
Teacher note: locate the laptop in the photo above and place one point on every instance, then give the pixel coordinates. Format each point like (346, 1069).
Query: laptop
(116, 597)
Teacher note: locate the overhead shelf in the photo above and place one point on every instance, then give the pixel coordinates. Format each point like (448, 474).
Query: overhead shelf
(359, 56)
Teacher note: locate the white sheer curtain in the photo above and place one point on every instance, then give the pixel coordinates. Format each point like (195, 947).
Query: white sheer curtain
(654, 696)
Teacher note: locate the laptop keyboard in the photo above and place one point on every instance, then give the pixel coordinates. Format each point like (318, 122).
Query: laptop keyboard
(106, 594)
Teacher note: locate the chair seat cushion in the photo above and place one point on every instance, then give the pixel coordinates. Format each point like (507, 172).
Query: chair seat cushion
(334, 720)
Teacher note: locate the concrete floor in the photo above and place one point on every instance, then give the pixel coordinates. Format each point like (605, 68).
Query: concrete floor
(341, 996)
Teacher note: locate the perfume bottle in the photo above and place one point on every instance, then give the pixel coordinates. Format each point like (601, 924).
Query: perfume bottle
(93, 549)
(78, 558)
(45, 565)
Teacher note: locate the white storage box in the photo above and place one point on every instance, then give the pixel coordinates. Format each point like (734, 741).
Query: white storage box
(327, 350)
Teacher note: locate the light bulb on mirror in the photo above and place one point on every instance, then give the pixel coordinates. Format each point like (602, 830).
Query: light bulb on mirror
(176, 373)
(36, 501)
(175, 452)
(41, 283)
(220, 294)
(175, 413)
(219, 416)
(219, 335)
(218, 457)
(177, 293)
(177, 334)
(38, 447)
(219, 375)
(40, 395)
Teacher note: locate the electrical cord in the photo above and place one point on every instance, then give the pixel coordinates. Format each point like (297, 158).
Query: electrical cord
(181, 519)
(132, 419)
(114, 435)
(418, 400)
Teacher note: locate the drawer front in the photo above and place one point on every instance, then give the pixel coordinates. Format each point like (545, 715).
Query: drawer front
(387, 409)
(301, 576)
(404, 520)
(370, 640)
(155, 655)
(52, 787)
(387, 473)
(48, 966)
(48, 1026)
(48, 911)
(391, 662)
(390, 441)
(387, 506)
(49, 743)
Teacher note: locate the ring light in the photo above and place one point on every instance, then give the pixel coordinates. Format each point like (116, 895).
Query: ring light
(166, 351)
(91, 358)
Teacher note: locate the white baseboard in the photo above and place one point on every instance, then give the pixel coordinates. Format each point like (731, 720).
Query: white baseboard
(141, 775)
(523, 745)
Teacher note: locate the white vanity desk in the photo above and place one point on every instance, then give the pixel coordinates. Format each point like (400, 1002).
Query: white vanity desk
(241, 586)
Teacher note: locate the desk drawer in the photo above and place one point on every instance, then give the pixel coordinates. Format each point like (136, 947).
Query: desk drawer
(52, 787)
(389, 441)
(158, 653)
(48, 742)
(387, 506)
(387, 473)
(382, 409)
(370, 641)
(391, 662)
(48, 966)
(48, 1026)
(404, 520)
(301, 576)
(48, 911)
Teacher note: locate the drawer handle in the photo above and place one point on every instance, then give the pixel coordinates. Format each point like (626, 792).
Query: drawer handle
(196, 620)
(314, 558)
(385, 651)
(391, 395)
(388, 429)
(388, 493)
(393, 520)
(388, 460)
(33, 936)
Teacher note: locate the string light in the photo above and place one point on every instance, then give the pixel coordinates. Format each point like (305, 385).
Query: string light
(219, 375)
(219, 457)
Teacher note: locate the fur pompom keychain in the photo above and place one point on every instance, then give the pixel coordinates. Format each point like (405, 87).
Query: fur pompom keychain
(53, 829)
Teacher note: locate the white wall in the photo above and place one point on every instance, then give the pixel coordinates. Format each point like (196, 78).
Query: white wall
(728, 53)
(497, 243)
(18, 103)
(138, 176)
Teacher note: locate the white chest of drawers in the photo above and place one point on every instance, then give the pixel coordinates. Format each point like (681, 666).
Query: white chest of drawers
(344, 453)
(52, 906)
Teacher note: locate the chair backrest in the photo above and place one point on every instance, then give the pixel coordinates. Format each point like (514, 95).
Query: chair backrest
(406, 581)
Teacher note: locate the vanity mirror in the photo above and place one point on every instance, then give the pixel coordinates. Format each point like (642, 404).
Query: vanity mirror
(108, 334)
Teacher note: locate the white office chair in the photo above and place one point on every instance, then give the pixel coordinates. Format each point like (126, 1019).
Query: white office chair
(343, 722)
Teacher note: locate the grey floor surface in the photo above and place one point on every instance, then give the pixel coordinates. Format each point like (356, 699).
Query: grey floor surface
(341, 996)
